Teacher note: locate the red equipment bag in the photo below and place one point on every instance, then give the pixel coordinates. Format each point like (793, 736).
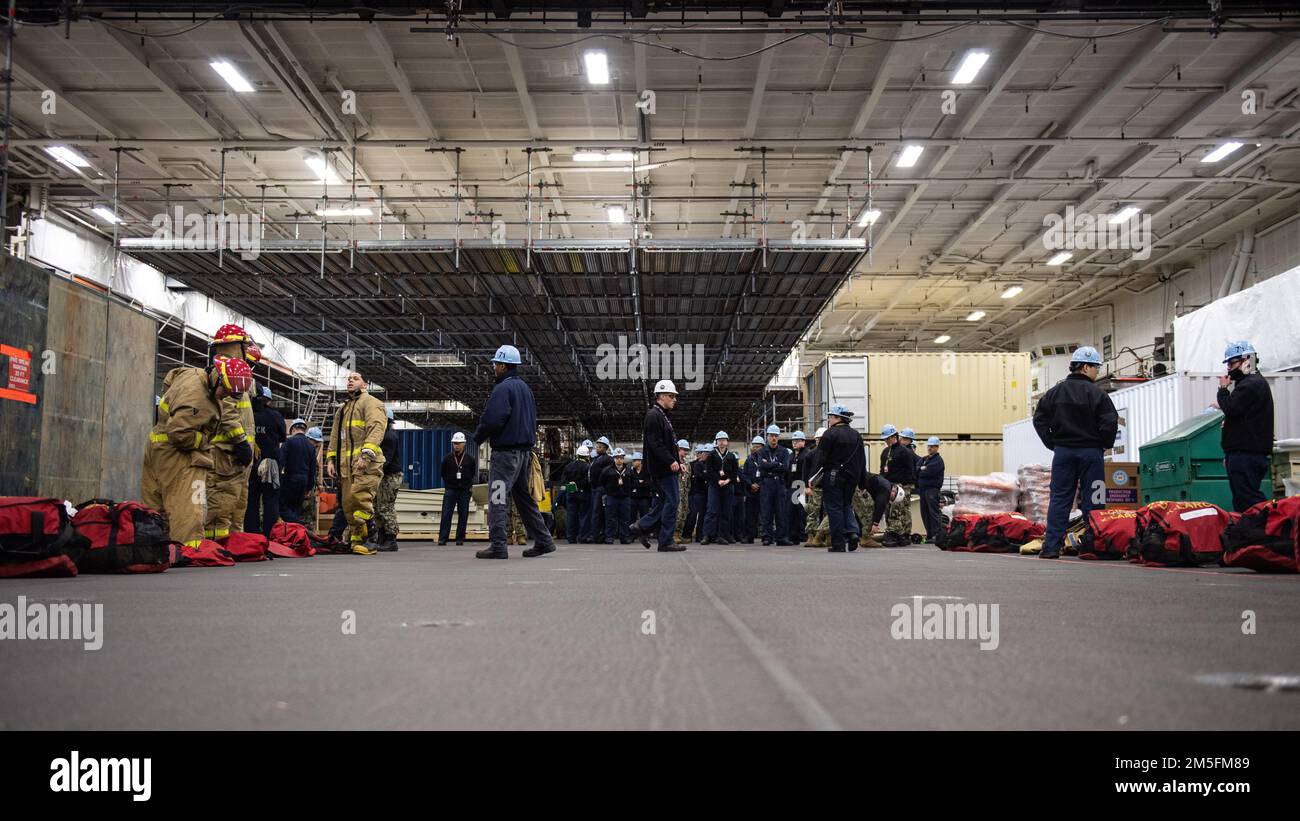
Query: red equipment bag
(125, 537)
(1180, 533)
(245, 547)
(1266, 538)
(1108, 534)
(35, 534)
(291, 540)
(989, 533)
(206, 554)
(956, 536)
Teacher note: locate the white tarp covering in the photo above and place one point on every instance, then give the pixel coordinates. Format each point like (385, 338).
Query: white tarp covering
(1265, 314)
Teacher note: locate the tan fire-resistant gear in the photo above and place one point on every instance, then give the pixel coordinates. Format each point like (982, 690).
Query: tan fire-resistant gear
(356, 434)
(228, 486)
(178, 458)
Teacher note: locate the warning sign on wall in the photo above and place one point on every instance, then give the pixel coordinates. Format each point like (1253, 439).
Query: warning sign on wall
(16, 367)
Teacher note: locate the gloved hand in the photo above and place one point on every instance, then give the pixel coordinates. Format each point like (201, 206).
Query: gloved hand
(243, 454)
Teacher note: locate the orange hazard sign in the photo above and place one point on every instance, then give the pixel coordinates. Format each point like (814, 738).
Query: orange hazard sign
(18, 386)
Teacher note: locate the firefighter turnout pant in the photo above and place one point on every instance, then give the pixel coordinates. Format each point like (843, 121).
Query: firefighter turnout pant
(227, 486)
(175, 483)
(358, 499)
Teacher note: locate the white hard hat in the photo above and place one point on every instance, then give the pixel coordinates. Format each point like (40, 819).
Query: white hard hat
(584, 451)
(665, 386)
(819, 433)
(457, 437)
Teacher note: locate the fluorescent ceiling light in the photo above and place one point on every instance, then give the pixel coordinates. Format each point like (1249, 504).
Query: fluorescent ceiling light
(974, 316)
(1125, 214)
(970, 66)
(603, 156)
(1221, 152)
(869, 217)
(67, 156)
(321, 168)
(617, 214)
(939, 340)
(105, 213)
(911, 153)
(343, 212)
(597, 63)
(1060, 258)
(1012, 291)
(232, 76)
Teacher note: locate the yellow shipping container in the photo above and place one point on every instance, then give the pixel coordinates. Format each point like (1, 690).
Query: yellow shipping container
(948, 393)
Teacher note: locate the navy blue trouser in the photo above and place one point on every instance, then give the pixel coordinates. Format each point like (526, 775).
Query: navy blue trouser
(1073, 469)
(663, 512)
(618, 509)
(293, 488)
(262, 499)
(595, 530)
(717, 518)
(1246, 472)
(772, 503)
(641, 506)
(693, 527)
(837, 501)
(576, 512)
(798, 516)
(454, 498)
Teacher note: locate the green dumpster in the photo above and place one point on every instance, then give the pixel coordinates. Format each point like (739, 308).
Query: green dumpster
(1186, 464)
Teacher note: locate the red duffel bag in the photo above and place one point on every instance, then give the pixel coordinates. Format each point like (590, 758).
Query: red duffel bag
(956, 535)
(245, 547)
(124, 537)
(989, 533)
(291, 540)
(37, 538)
(206, 553)
(1266, 538)
(1108, 534)
(1180, 533)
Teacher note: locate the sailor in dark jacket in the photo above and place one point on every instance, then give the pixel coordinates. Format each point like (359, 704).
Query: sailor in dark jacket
(594, 532)
(1076, 421)
(797, 514)
(929, 482)
(744, 514)
(578, 494)
(721, 472)
(298, 457)
(643, 491)
(838, 464)
(773, 482)
(693, 528)
(661, 460)
(617, 481)
(1247, 405)
(264, 494)
(509, 422)
(459, 472)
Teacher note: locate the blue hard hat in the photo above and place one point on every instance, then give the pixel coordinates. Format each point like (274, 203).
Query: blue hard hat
(636, 454)
(1239, 348)
(389, 411)
(840, 411)
(1087, 355)
(266, 392)
(298, 423)
(315, 435)
(933, 440)
(888, 431)
(619, 452)
(757, 440)
(771, 429)
(722, 434)
(798, 435)
(907, 433)
(588, 443)
(682, 443)
(604, 440)
(507, 354)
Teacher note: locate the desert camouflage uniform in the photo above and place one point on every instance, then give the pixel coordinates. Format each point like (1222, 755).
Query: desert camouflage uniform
(515, 528)
(683, 500)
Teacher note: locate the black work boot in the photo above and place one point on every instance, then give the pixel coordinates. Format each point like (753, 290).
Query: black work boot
(535, 551)
(490, 553)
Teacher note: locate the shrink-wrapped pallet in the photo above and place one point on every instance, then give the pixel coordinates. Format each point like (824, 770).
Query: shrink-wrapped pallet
(1035, 491)
(981, 495)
